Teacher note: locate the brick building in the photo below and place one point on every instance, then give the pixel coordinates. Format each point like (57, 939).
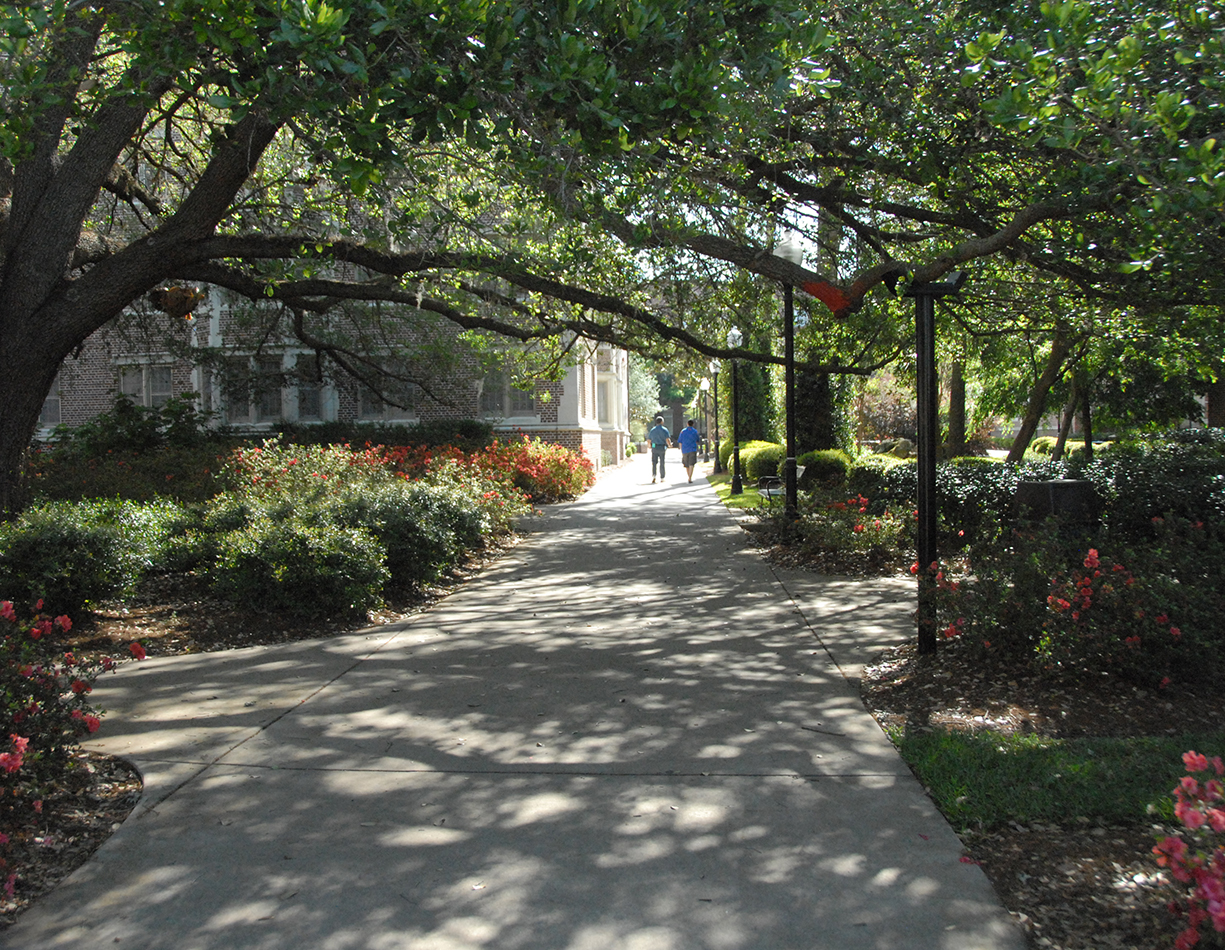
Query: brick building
(254, 388)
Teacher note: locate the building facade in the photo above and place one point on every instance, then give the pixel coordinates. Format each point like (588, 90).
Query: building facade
(254, 386)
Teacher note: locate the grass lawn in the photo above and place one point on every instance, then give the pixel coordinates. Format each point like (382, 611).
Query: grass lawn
(986, 779)
(723, 488)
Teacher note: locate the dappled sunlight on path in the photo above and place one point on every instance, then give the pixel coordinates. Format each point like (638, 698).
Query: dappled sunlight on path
(623, 735)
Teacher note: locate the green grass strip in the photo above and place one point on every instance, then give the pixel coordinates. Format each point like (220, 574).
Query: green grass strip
(723, 488)
(983, 780)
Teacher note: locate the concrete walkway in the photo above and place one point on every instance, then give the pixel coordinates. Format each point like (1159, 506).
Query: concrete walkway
(630, 734)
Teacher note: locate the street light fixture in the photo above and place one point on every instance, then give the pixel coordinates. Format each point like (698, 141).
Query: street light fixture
(714, 371)
(790, 249)
(734, 339)
(704, 385)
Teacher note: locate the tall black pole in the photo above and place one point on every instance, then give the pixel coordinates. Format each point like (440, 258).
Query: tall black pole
(929, 438)
(929, 445)
(737, 483)
(718, 466)
(705, 429)
(791, 506)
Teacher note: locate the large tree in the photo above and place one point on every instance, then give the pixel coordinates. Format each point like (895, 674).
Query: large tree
(153, 143)
(603, 168)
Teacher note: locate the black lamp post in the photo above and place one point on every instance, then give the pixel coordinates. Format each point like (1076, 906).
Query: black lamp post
(929, 440)
(704, 386)
(789, 249)
(714, 369)
(734, 339)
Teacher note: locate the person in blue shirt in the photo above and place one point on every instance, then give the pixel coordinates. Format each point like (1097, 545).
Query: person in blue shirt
(660, 439)
(689, 439)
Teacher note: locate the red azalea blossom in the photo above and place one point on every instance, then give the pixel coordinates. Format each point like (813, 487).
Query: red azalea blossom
(137, 651)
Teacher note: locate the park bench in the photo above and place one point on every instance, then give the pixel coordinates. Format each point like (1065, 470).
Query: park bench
(771, 487)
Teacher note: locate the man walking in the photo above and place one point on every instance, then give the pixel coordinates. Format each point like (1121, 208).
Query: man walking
(689, 439)
(660, 438)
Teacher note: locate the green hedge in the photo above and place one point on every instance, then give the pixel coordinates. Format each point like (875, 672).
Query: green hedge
(725, 452)
(300, 568)
(762, 459)
(72, 554)
(466, 434)
(828, 467)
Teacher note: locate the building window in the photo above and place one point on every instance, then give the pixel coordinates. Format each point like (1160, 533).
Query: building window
(51, 415)
(310, 389)
(401, 397)
(603, 410)
(268, 380)
(252, 390)
(148, 386)
(236, 390)
(500, 398)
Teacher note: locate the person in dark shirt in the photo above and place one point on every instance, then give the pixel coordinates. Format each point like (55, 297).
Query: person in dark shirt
(661, 439)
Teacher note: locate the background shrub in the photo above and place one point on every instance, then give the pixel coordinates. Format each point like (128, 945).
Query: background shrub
(827, 467)
(74, 553)
(466, 434)
(1181, 474)
(762, 459)
(725, 451)
(301, 568)
(182, 473)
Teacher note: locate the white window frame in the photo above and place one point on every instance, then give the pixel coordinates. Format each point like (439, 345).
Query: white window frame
(147, 384)
(53, 405)
(500, 400)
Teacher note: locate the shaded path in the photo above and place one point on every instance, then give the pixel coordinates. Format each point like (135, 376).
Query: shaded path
(624, 736)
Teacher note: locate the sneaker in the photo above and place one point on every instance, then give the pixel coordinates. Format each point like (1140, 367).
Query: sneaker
(652, 481)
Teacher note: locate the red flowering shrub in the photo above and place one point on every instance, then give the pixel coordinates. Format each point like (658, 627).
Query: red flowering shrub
(1146, 614)
(44, 712)
(1196, 858)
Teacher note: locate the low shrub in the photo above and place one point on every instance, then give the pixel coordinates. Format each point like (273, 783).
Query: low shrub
(300, 568)
(1043, 445)
(469, 435)
(762, 459)
(826, 467)
(1075, 607)
(424, 528)
(127, 427)
(71, 554)
(544, 471)
(887, 480)
(846, 534)
(181, 473)
(726, 447)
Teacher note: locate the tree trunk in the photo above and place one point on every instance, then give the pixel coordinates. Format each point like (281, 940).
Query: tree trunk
(23, 388)
(1065, 423)
(1060, 348)
(957, 410)
(815, 425)
(1087, 419)
(1216, 400)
